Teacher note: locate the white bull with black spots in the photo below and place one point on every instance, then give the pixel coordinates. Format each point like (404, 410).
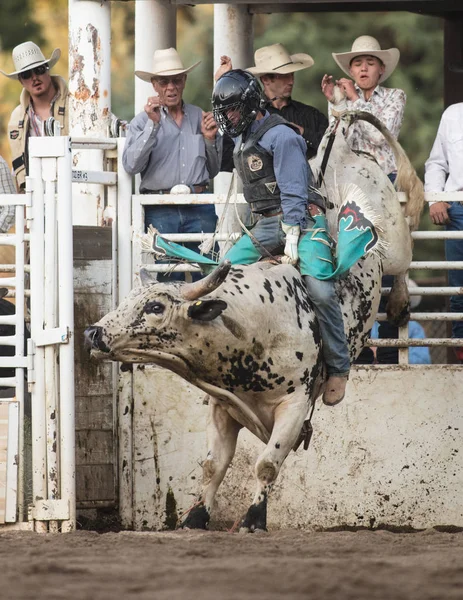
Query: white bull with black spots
(248, 337)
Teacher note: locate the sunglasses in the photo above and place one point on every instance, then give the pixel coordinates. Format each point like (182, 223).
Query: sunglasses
(37, 71)
(164, 81)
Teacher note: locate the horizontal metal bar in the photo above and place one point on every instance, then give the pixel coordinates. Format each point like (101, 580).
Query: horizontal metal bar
(12, 268)
(13, 200)
(200, 237)
(437, 235)
(78, 143)
(8, 340)
(429, 291)
(8, 281)
(443, 196)
(429, 316)
(186, 199)
(437, 264)
(13, 362)
(100, 177)
(167, 268)
(7, 319)
(407, 342)
(7, 382)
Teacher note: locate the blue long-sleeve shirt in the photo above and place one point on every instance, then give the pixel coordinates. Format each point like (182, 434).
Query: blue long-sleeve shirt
(292, 171)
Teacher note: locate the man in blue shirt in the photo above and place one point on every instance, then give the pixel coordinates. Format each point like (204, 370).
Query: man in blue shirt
(270, 157)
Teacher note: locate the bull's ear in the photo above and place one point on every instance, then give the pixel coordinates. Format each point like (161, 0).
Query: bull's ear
(206, 310)
(146, 277)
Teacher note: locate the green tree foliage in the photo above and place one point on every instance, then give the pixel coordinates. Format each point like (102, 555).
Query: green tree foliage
(17, 23)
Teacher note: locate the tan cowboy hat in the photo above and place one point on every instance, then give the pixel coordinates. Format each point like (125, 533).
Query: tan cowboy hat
(165, 62)
(28, 56)
(276, 59)
(368, 45)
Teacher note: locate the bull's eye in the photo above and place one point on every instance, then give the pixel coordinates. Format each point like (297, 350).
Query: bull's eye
(154, 307)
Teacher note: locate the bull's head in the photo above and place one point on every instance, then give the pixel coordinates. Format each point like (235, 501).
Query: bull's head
(153, 319)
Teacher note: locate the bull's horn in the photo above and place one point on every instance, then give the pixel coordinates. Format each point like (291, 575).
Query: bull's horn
(193, 291)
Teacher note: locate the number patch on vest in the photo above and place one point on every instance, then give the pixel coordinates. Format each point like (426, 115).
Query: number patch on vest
(255, 163)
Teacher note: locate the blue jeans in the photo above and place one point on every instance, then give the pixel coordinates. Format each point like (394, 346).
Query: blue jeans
(270, 235)
(454, 251)
(181, 219)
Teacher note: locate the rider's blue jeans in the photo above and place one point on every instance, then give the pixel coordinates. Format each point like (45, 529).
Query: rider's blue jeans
(270, 235)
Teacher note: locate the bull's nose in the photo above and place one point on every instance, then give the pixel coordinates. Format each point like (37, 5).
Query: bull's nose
(94, 339)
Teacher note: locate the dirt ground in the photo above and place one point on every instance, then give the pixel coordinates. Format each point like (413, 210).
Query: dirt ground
(222, 566)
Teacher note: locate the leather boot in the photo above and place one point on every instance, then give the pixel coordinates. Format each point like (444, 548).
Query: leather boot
(335, 390)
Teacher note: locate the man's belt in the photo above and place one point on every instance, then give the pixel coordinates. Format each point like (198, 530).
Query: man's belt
(272, 213)
(195, 189)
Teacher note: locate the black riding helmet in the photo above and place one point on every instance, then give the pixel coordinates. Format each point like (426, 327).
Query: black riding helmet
(236, 90)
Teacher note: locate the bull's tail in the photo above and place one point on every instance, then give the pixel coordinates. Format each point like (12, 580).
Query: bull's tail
(407, 180)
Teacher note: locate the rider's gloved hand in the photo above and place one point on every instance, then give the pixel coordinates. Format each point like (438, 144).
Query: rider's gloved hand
(292, 238)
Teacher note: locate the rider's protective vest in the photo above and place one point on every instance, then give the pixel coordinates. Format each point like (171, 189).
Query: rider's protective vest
(255, 168)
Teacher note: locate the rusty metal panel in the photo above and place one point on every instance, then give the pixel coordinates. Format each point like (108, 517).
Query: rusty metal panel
(95, 436)
(389, 454)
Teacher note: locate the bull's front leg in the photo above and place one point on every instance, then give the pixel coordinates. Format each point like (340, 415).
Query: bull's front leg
(222, 434)
(289, 418)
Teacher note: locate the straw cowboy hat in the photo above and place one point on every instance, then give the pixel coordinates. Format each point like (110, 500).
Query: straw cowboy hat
(165, 62)
(276, 59)
(28, 56)
(368, 45)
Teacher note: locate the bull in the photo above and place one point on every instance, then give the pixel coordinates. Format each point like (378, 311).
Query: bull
(248, 336)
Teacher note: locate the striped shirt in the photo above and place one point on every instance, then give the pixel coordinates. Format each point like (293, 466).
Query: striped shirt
(35, 121)
(7, 186)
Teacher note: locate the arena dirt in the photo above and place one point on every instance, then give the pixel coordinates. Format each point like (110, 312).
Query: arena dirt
(192, 565)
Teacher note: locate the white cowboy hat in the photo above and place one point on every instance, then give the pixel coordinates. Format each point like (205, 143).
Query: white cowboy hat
(368, 45)
(28, 56)
(276, 59)
(165, 62)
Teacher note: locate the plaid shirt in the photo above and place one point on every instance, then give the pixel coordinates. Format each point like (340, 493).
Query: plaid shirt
(36, 122)
(7, 186)
(388, 105)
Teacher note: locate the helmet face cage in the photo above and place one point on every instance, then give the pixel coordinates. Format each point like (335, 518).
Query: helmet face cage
(236, 101)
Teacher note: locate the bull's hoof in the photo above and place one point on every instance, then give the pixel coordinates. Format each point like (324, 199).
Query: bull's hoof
(197, 518)
(256, 518)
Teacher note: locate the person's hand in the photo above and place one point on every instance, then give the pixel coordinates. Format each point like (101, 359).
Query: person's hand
(328, 87)
(225, 66)
(348, 87)
(208, 126)
(291, 255)
(439, 213)
(152, 109)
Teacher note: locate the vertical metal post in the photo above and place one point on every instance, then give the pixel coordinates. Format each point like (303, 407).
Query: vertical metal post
(124, 400)
(90, 96)
(37, 260)
(234, 37)
(67, 424)
(19, 349)
(155, 28)
(51, 321)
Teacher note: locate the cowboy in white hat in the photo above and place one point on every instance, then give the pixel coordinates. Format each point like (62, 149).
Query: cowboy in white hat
(276, 67)
(43, 96)
(369, 66)
(172, 144)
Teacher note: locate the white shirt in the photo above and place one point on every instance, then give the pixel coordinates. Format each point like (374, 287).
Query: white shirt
(444, 167)
(388, 105)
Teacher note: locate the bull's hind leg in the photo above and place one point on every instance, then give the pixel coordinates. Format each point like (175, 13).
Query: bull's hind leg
(222, 433)
(398, 304)
(289, 418)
